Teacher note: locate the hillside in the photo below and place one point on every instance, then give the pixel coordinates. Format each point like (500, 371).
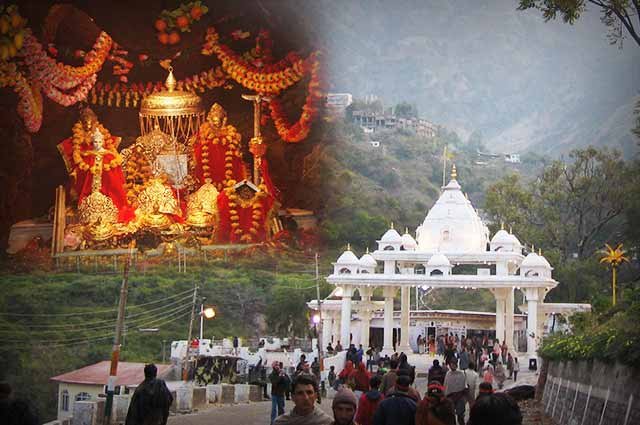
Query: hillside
(369, 187)
(525, 84)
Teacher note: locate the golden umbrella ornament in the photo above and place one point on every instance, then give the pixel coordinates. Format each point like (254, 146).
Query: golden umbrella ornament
(177, 113)
(613, 257)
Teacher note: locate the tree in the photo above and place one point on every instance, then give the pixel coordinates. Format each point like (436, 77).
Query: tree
(570, 206)
(615, 14)
(406, 110)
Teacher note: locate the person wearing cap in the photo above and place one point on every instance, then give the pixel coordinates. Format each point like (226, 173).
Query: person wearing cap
(278, 388)
(399, 408)
(435, 408)
(455, 388)
(344, 407)
(305, 412)
(484, 389)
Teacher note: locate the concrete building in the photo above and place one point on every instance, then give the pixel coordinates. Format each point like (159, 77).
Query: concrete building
(89, 383)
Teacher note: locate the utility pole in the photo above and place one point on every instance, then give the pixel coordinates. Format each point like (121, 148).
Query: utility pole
(115, 352)
(185, 367)
(202, 316)
(163, 352)
(320, 330)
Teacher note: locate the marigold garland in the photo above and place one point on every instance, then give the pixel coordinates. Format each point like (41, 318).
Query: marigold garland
(257, 213)
(209, 136)
(268, 79)
(271, 79)
(293, 133)
(129, 95)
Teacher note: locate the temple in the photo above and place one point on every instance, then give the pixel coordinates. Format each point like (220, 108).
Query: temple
(452, 249)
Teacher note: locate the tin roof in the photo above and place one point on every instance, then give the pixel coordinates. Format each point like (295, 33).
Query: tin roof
(98, 374)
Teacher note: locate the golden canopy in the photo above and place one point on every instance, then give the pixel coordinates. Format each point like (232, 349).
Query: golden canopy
(177, 113)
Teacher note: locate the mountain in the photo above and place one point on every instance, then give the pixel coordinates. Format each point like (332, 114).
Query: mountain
(482, 65)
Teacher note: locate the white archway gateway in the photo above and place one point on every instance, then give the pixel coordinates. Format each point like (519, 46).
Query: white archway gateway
(452, 234)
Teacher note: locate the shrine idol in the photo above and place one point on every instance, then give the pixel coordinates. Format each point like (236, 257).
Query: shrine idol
(94, 165)
(217, 157)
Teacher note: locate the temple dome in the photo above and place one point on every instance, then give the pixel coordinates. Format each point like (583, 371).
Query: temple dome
(501, 237)
(452, 225)
(438, 260)
(368, 261)
(535, 260)
(515, 241)
(408, 242)
(391, 236)
(348, 258)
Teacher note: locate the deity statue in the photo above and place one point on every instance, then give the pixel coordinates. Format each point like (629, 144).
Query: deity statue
(158, 206)
(245, 213)
(94, 166)
(217, 158)
(202, 207)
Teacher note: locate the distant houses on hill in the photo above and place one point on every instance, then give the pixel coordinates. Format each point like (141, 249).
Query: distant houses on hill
(371, 121)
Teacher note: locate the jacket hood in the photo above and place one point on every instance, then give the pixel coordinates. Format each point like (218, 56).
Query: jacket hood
(373, 395)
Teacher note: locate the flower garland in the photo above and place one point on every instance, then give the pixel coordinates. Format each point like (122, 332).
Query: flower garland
(64, 84)
(129, 95)
(257, 214)
(52, 73)
(293, 133)
(81, 137)
(29, 98)
(268, 79)
(272, 79)
(232, 142)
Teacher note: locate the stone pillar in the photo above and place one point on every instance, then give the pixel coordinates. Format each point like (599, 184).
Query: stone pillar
(509, 325)
(532, 321)
(405, 303)
(327, 329)
(365, 315)
(389, 267)
(389, 293)
(336, 330)
(345, 319)
(365, 323)
(500, 307)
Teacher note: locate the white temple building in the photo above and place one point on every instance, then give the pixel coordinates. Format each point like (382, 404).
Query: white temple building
(451, 235)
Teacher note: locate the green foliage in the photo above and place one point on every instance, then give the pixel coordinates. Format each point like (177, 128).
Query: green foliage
(614, 14)
(571, 207)
(405, 110)
(611, 335)
(245, 290)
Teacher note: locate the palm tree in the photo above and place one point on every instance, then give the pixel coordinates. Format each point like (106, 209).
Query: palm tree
(613, 257)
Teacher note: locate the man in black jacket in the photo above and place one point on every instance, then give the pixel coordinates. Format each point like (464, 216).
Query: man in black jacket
(399, 408)
(279, 384)
(151, 400)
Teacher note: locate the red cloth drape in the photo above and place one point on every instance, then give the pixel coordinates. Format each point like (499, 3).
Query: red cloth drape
(225, 232)
(217, 169)
(112, 180)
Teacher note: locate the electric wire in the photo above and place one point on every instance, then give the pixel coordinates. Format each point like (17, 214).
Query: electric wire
(78, 340)
(136, 322)
(93, 312)
(102, 321)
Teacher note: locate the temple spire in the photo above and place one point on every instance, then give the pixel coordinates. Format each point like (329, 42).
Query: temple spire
(454, 172)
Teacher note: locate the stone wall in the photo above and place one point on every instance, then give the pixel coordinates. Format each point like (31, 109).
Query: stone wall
(592, 393)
